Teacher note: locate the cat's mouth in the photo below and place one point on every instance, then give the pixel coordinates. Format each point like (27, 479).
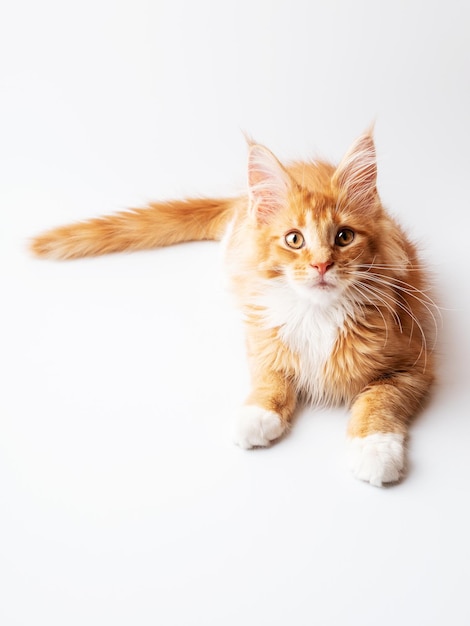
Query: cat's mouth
(319, 286)
(323, 284)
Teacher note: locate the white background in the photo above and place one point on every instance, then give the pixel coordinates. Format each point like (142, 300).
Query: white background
(122, 498)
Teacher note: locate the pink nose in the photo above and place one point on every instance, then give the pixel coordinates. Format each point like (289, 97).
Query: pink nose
(322, 268)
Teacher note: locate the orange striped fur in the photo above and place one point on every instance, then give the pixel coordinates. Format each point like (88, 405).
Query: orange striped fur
(333, 293)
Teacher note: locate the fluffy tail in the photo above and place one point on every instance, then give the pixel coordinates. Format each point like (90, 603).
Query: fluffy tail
(159, 224)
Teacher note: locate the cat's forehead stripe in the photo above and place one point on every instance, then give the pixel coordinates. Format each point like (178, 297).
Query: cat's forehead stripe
(315, 212)
(316, 229)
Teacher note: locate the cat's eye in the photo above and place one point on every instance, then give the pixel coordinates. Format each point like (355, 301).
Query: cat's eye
(294, 239)
(344, 237)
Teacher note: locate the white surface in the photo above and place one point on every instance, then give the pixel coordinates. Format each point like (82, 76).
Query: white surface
(123, 500)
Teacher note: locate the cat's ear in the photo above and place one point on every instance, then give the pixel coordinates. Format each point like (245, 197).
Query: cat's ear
(268, 182)
(356, 175)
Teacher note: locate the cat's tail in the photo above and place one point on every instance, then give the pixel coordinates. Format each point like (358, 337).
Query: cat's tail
(159, 224)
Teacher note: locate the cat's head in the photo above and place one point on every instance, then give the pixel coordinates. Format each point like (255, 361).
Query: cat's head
(318, 227)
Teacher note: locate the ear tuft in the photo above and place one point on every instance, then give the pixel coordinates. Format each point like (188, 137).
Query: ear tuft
(357, 172)
(268, 182)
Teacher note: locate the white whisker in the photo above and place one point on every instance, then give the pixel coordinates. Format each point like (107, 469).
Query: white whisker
(380, 296)
(385, 298)
(362, 293)
(406, 288)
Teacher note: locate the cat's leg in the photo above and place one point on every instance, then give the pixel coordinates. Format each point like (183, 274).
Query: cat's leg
(267, 411)
(379, 426)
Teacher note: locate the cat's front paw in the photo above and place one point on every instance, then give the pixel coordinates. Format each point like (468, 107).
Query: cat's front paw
(256, 427)
(377, 458)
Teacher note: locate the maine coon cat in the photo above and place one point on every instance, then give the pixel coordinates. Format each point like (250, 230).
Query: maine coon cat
(332, 292)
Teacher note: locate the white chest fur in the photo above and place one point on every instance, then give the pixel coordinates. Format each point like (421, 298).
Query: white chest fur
(309, 327)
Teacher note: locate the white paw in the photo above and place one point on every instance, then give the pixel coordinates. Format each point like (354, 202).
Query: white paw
(377, 458)
(255, 426)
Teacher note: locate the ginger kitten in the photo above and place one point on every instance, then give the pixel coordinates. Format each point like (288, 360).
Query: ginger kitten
(332, 291)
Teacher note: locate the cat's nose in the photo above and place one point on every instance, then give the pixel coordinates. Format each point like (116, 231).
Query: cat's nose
(322, 268)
